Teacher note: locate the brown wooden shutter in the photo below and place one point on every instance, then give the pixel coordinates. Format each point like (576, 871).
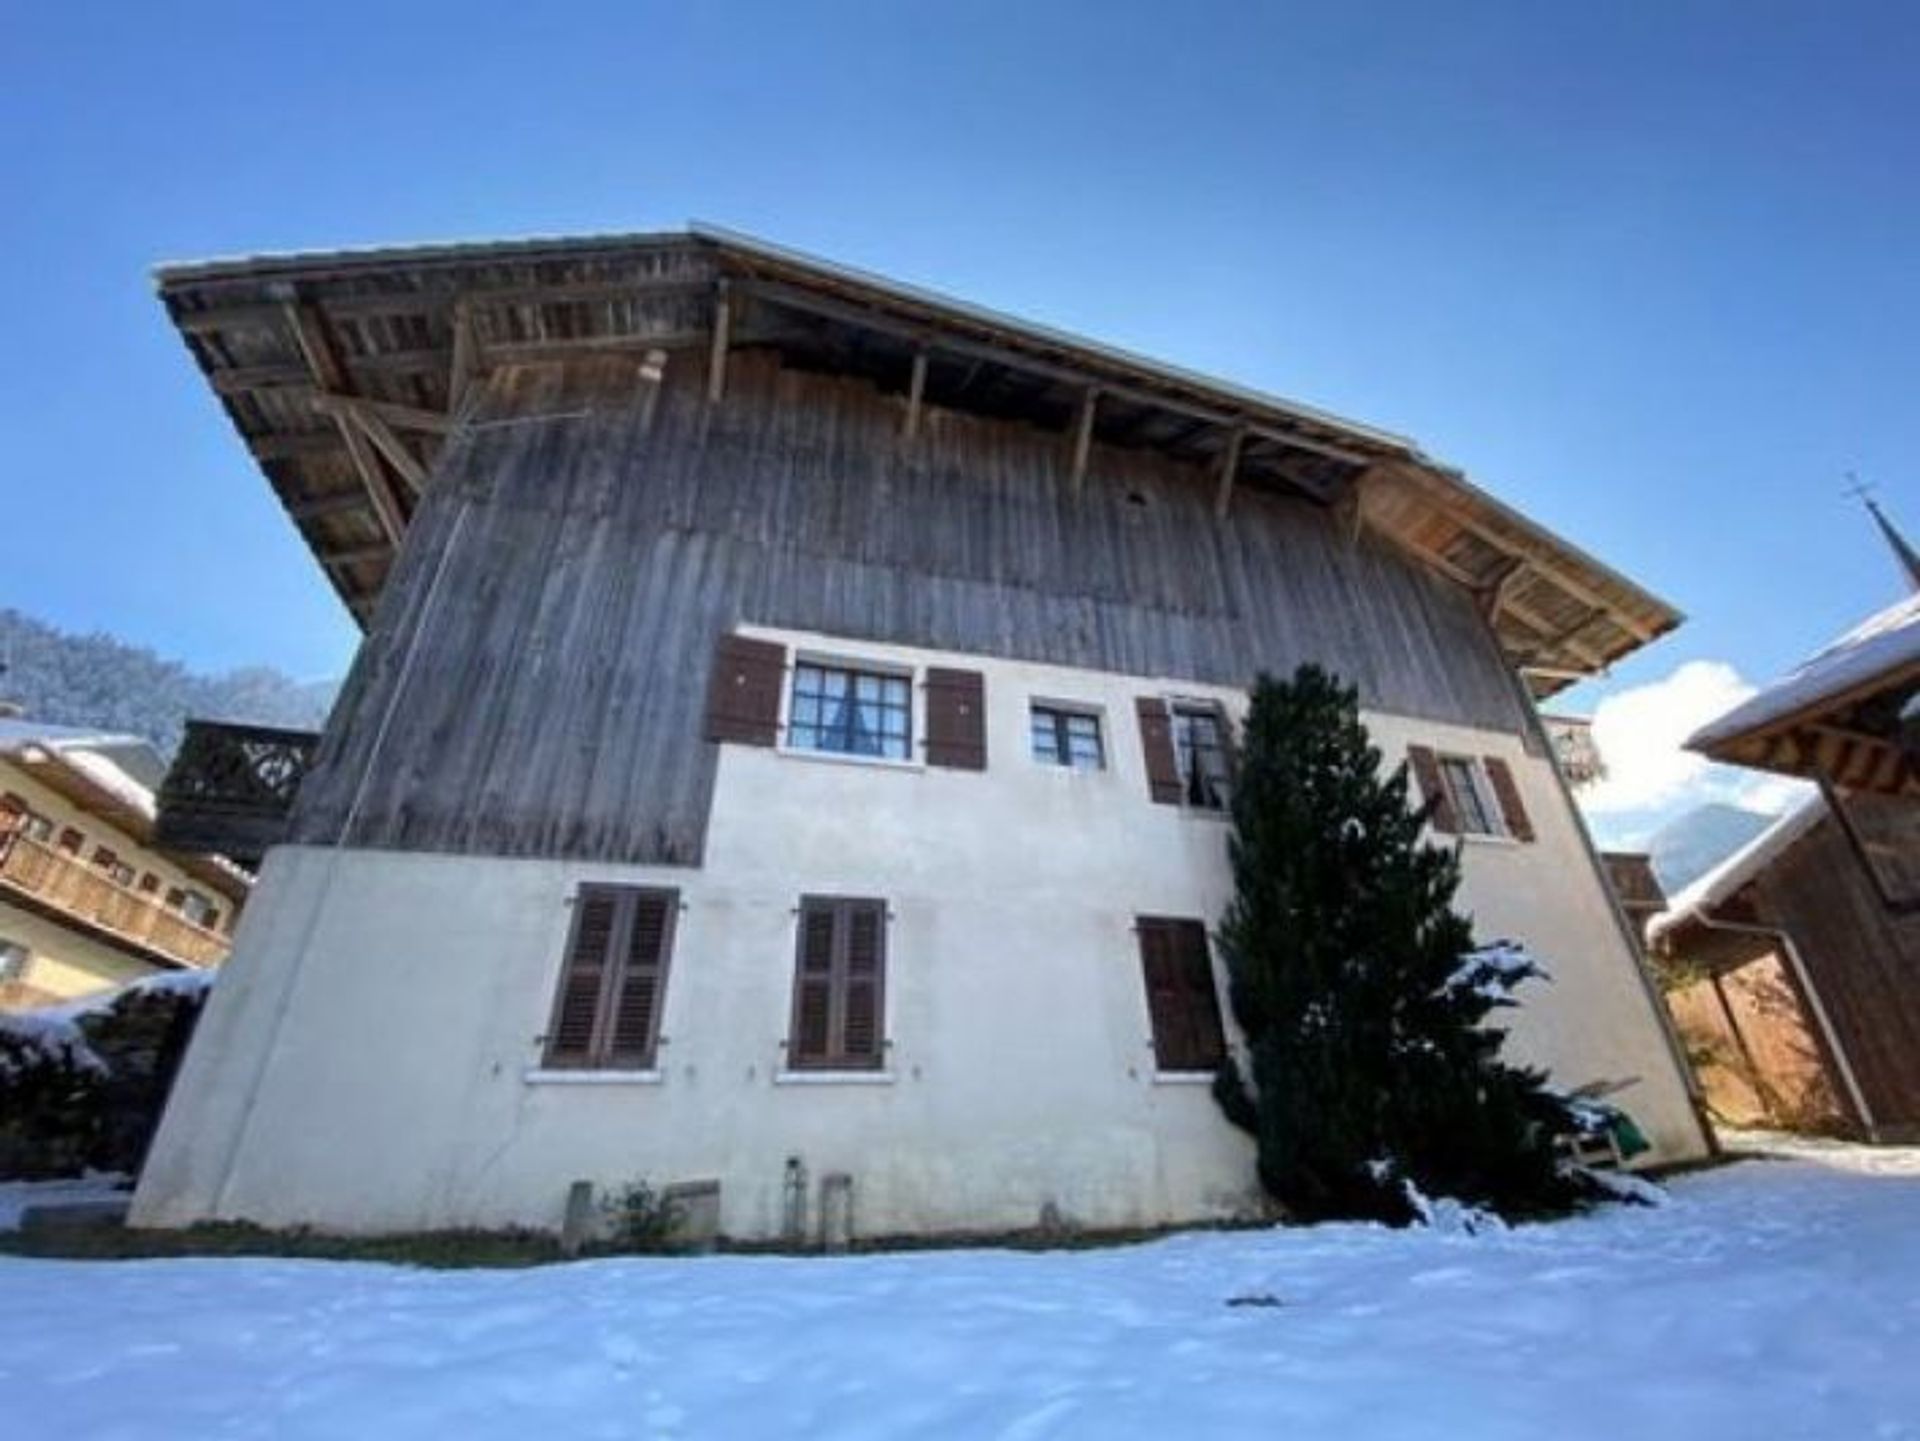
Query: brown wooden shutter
(1182, 1004)
(576, 1010)
(1156, 744)
(860, 1025)
(1518, 824)
(1426, 771)
(957, 719)
(743, 694)
(812, 1040)
(633, 1018)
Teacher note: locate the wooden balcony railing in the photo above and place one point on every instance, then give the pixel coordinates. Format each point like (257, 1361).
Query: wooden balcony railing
(231, 788)
(70, 886)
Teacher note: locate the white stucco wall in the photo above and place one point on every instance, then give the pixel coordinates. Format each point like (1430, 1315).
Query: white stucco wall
(370, 1057)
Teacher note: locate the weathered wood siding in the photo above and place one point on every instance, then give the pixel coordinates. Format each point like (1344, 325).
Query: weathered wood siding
(534, 680)
(1864, 960)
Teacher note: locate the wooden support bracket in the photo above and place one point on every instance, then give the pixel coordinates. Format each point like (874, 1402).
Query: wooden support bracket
(916, 393)
(722, 325)
(1083, 439)
(1229, 469)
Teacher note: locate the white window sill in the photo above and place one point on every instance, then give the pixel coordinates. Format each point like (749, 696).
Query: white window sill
(1183, 1078)
(1482, 838)
(541, 1076)
(833, 1078)
(846, 758)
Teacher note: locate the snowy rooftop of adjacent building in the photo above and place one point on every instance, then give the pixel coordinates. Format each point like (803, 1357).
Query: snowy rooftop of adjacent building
(1740, 867)
(1882, 645)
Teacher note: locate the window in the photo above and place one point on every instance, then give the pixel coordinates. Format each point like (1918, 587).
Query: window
(1068, 738)
(1181, 1001)
(104, 859)
(13, 960)
(70, 840)
(196, 908)
(149, 883)
(851, 712)
(1474, 811)
(1200, 748)
(36, 827)
(613, 980)
(839, 986)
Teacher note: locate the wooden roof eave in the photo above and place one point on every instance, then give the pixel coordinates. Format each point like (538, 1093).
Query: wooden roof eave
(283, 304)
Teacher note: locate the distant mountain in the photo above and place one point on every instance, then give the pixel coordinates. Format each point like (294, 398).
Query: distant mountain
(95, 680)
(1690, 845)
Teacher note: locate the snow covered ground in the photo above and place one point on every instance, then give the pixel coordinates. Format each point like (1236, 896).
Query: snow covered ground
(1772, 1299)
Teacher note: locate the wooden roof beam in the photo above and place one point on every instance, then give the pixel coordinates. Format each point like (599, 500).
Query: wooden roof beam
(1229, 471)
(400, 417)
(1542, 566)
(717, 356)
(310, 333)
(916, 395)
(797, 298)
(1083, 439)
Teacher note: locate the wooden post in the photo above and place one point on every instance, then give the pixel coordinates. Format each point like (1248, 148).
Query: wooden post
(717, 359)
(916, 389)
(1083, 439)
(1229, 468)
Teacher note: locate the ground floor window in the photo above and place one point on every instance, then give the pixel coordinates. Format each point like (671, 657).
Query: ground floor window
(839, 985)
(606, 1014)
(1177, 968)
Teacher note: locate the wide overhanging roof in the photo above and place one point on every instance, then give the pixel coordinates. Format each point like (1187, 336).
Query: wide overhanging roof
(344, 372)
(1837, 715)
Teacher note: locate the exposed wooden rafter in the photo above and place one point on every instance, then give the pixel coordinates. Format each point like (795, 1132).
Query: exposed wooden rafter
(1229, 471)
(1083, 438)
(310, 334)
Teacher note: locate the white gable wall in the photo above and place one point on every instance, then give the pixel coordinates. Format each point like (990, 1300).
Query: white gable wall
(371, 1057)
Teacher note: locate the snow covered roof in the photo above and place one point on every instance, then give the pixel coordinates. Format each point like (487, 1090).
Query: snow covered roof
(1740, 867)
(1885, 646)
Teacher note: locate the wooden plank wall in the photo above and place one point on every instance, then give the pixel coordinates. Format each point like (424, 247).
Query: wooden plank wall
(533, 681)
(1863, 959)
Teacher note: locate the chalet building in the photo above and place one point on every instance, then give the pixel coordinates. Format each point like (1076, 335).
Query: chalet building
(88, 900)
(1807, 941)
(791, 743)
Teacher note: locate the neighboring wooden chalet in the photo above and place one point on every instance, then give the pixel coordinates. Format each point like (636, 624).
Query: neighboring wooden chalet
(1636, 887)
(791, 743)
(1823, 910)
(88, 900)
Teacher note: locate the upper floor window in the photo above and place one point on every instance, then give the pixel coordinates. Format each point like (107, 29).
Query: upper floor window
(1063, 737)
(70, 841)
(106, 860)
(1200, 748)
(851, 712)
(1475, 811)
(197, 908)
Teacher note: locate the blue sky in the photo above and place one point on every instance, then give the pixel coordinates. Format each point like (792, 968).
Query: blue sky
(1647, 271)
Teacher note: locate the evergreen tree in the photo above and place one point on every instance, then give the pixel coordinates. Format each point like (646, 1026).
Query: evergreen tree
(1359, 989)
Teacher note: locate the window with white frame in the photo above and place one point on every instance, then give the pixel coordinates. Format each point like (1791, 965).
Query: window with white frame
(1064, 736)
(1474, 806)
(844, 710)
